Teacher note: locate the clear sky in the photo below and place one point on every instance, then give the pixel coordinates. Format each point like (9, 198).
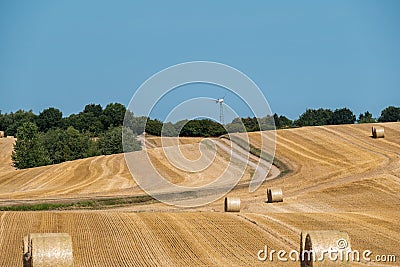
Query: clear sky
(302, 54)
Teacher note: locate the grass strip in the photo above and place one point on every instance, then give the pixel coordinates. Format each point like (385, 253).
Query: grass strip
(86, 204)
(284, 169)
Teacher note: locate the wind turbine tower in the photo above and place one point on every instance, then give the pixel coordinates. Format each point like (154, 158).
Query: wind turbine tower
(220, 101)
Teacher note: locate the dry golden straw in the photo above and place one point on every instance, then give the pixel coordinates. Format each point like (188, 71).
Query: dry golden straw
(47, 250)
(1, 134)
(319, 242)
(232, 204)
(274, 195)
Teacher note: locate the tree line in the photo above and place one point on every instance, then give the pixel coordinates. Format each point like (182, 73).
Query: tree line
(93, 119)
(50, 138)
(315, 117)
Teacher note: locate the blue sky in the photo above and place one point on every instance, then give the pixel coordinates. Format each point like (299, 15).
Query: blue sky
(302, 54)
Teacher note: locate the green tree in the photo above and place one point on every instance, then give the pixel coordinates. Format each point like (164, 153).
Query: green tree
(89, 120)
(267, 123)
(48, 119)
(251, 124)
(68, 145)
(235, 128)
(282, 121)
(76, 144)
(285, 122)
(169, 130)
(113, 115)
(91, 117)
(136, 124)
(12, 121)
(154, 127)
(390, 113)
(315, 117)
(28, 151)
(213, 128)
(73, 120)
(95, 109)
(343, 116)
(55, 143)
(179, 126)
(202, 128)
(277, 121)
(130, 143)
(366, 118)
(111, 141)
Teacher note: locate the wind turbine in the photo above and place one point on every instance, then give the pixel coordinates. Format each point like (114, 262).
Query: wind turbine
(220, 101)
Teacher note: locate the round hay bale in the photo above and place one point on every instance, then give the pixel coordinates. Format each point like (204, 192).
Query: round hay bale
(274, 195)
(232, 204)
(378, 132)
(302, 243)
(49, 249)
(25, 248)
(315, 245)
(303, 236)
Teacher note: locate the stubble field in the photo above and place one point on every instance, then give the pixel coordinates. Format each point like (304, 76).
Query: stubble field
(340, 178)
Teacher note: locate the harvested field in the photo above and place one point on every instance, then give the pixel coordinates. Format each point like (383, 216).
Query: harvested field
(105, 175)
(181, 239)
(127, 239)
(154, 141)
(6, 148)
(340, 179)
(337, 168)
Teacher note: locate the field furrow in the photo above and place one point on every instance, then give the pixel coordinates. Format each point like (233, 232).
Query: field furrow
(335, 178)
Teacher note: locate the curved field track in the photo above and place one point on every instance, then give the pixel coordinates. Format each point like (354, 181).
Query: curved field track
(337, 169)
(105, 176)
(340, 179)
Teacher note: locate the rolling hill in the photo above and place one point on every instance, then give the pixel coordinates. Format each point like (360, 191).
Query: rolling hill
(340, 178)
